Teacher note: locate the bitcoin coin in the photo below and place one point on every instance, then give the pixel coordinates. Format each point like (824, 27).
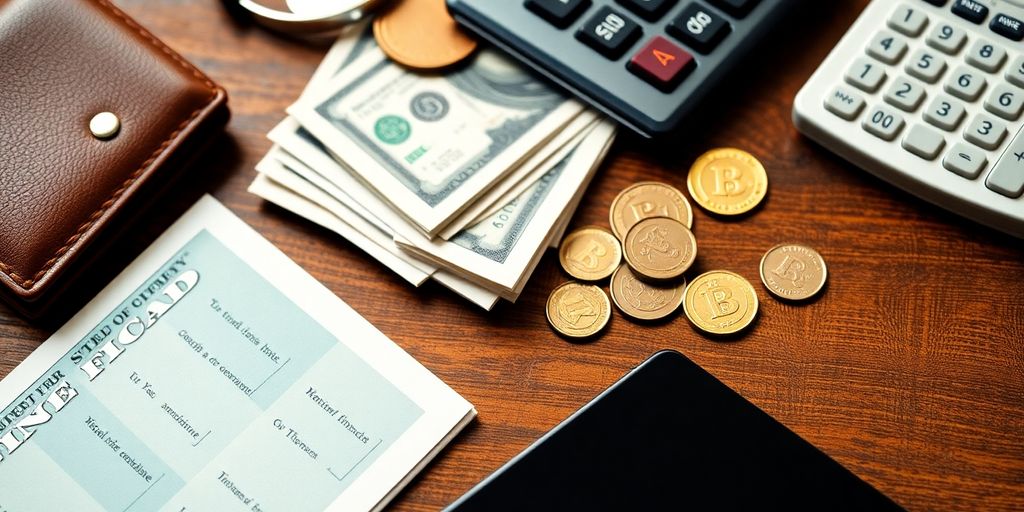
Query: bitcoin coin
(644, 301)
(590, 254)
(648, 199)
(793, 272)
(720, 302)
(578, 310)
(659, 248)
(420, 34)
(727, 181)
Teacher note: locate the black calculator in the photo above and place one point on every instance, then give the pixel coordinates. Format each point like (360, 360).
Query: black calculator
(646, 63)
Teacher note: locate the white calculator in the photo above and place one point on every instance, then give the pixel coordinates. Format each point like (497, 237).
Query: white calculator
(929, 95)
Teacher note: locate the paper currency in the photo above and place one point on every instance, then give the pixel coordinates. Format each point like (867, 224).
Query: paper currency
(432, 144)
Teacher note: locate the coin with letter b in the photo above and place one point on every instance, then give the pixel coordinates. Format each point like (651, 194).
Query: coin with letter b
(720, 302)
(590, 254)
(727, 181)
(793, 272)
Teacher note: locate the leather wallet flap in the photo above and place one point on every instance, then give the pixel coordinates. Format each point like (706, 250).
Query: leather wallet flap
(64, 61)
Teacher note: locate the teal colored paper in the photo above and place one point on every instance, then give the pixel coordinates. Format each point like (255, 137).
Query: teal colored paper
(228, 421)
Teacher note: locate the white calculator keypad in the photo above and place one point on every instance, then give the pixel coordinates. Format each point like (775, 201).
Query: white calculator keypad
(931, 98)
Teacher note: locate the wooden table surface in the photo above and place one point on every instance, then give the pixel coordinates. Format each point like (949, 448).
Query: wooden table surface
(909, 369)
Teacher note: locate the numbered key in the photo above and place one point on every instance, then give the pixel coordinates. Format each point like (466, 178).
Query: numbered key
(965, 160)
(908, 20)
(986, 56)
(1007, 177)
(887, 47)
(1006, 102)
(883, 122)
(945, 112)
(946, 38)
(609, 32)
(844, 103)
(924, 142)
(986, 132)
(1015, 75)
(866, 75)
(965, 83)
(904, 94)
(926, 66)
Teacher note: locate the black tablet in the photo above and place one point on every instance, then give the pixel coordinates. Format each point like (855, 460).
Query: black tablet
(669, 436)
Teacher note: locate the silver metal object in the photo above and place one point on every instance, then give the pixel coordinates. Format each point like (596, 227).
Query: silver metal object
(328, 19)
(104, 125)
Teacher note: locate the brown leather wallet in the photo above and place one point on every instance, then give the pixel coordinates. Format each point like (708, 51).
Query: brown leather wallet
(62, 183)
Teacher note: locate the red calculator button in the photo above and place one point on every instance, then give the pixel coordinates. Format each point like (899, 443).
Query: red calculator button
(661, 63)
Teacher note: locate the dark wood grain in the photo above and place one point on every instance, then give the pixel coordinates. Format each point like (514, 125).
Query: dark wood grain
(909, 370)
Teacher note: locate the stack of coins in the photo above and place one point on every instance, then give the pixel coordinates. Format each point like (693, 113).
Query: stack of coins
(652, 222)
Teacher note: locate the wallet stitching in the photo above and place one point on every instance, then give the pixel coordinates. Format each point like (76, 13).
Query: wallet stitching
(28, 283)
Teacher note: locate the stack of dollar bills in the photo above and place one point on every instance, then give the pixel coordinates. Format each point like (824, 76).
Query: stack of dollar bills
(465, 177)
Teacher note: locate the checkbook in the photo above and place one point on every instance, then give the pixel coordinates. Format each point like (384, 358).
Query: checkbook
(215, 374)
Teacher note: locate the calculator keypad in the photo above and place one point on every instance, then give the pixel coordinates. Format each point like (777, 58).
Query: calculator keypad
(609, 32)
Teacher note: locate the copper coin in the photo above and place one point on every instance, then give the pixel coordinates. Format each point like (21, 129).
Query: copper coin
(793, 272)
(420, 34)
(644, 200)
(659, 248)
(578, 310)
(590, 254)
(644, 301)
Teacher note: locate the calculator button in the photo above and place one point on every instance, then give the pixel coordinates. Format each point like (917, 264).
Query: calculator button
(946, 38)
(904, 94)
(560, 13)
(883, 122)
(945, 112)
(924, 142)
(649, 10)
(965, 83)
(866, 75)
(1008, 27)
(699, 28)
(1015, 74)
(985, 132)
(661, 63)
(738, 8)
(908, 20)
(926, 65)
(1005, 102)
(937, 3)
(844, 103)
(887, 47)
(609, 32)
(965, 160)
(1007, 177)
(986, 56)
(970, 10)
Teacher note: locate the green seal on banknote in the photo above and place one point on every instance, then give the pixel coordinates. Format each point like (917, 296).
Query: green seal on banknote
(392, 129)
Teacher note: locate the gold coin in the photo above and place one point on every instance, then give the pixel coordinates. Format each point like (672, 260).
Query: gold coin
(793, 272)
(578, 310)
(659, 248)
(641, 300)
(648, 199)
(422, 35)
(727, 181)
(720, 302)
(590, 254)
